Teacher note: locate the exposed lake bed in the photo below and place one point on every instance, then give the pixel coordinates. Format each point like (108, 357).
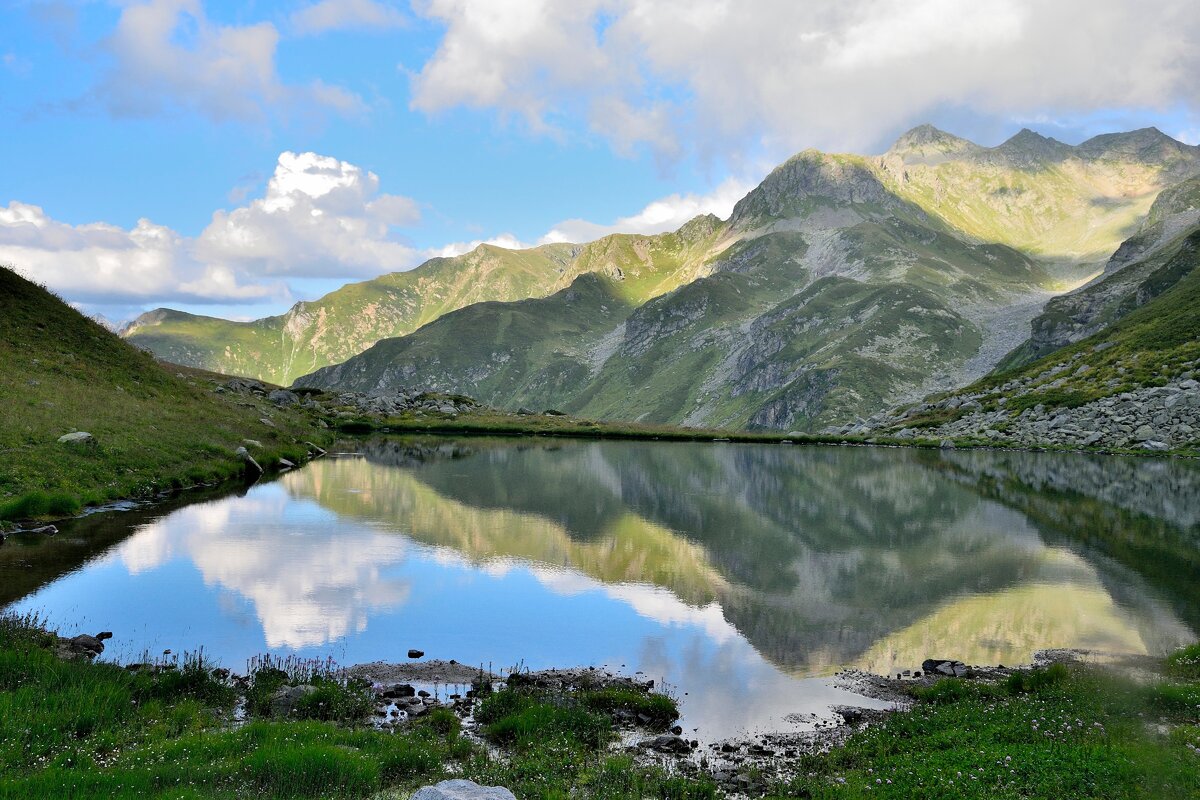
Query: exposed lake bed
(739, 577)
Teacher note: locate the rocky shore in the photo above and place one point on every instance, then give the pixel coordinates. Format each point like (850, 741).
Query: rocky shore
(1153, 418)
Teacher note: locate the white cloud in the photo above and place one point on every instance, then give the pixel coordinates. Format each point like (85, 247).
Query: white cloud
(837, 74)
(100, 263)
(168, 55)
(335, 15)
(505, 240)
(666, 214)
(319, 217)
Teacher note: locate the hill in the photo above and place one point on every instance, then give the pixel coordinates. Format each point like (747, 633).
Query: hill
(154, 428)
(351, 319)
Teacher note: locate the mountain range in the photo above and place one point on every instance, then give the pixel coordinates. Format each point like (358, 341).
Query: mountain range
(839, 286)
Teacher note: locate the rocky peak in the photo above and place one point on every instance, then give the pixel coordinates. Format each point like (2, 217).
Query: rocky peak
(699, 227)
(926, 141)
(1182, 198)
(1147, 145)
(1029, 146)
(805, 180)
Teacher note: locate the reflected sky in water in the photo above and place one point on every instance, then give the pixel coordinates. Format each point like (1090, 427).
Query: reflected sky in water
(742, 576)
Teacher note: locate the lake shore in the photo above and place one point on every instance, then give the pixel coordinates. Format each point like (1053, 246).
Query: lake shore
(1068, 726)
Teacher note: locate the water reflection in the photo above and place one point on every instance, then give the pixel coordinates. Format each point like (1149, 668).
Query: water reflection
(740, 574)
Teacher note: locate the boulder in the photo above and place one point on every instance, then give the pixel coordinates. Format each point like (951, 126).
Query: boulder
(459, 789)
(283, 397)
(667, 743)
(251, 465)
(91, 646)
(945, 666)
(1143, 433)
(284, 701)
(245, 385)
(81, 438)
(415, 653)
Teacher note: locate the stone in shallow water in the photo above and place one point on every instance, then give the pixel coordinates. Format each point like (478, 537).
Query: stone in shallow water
(459, 789)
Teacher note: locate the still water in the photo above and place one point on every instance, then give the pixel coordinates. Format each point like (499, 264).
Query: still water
(742, 576)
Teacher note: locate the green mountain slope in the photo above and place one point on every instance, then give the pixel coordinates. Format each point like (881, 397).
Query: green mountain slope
(840, 285)
(1131, 384)
(152, 428)
(351, 319)
(1132, 277)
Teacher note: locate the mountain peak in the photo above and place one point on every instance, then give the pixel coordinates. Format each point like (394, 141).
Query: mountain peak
(805, 179)
(927, 138)
(1030, 146)
(1149, 145)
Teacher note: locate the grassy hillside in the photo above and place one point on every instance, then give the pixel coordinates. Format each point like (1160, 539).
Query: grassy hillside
(154, 429)
(347, 321)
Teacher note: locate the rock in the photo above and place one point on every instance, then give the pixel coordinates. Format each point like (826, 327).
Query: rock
(251, 465)
(245, 385)
(284, 701)
(266, 422)
(399, 690)
(416, 653)
(283, 397)
(459, 789)
(285, 464)
(318, 450)
(667, 743)
(255, 443)
(946, 444)
(1143, 433)
(81, 438)
(91, 646)
(1156, 445)
(945, 666)
(525, 412)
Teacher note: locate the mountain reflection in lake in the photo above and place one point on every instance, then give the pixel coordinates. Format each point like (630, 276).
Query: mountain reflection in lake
(741, 575)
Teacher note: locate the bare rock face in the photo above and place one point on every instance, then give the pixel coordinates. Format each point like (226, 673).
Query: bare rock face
(462, 790)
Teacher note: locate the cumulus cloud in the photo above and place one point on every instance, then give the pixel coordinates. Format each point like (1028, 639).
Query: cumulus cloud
(320, 217)
(100, 263)
(828, 73)
(335, 15)
(168, 55)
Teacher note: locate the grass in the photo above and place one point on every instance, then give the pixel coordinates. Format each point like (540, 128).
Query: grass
(84, 730)
(77, 729)
(1058, 732)
(157, 427)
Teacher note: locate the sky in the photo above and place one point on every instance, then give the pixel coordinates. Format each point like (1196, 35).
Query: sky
(231, 159)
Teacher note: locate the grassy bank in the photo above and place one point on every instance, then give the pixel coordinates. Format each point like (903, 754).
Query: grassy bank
(156, 427)
(71, 728)
(77, 729)
(1060, 732)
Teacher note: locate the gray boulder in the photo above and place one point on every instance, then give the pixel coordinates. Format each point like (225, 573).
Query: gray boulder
(283, 397)
(244, 456)
(82, 438)
(459, 789)
(284, 701)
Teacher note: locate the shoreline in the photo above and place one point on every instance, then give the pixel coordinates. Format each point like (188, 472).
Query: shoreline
(532, 732)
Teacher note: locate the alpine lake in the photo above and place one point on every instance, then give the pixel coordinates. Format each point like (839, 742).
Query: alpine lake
(742, 578)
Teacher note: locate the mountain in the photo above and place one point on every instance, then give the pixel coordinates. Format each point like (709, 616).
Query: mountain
(1123, 360)
(839, 285)
(1132, 277)
(848, 283)
(351, 319)
(152, 427)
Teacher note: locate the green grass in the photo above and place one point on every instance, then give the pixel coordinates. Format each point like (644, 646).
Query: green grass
(154, 430)
(1059, 732)
(83, 730)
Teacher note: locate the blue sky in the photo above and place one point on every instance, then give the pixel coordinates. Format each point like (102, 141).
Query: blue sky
(141, 137)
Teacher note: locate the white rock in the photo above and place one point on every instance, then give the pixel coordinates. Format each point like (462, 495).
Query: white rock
(459, 789)
(78, 437)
